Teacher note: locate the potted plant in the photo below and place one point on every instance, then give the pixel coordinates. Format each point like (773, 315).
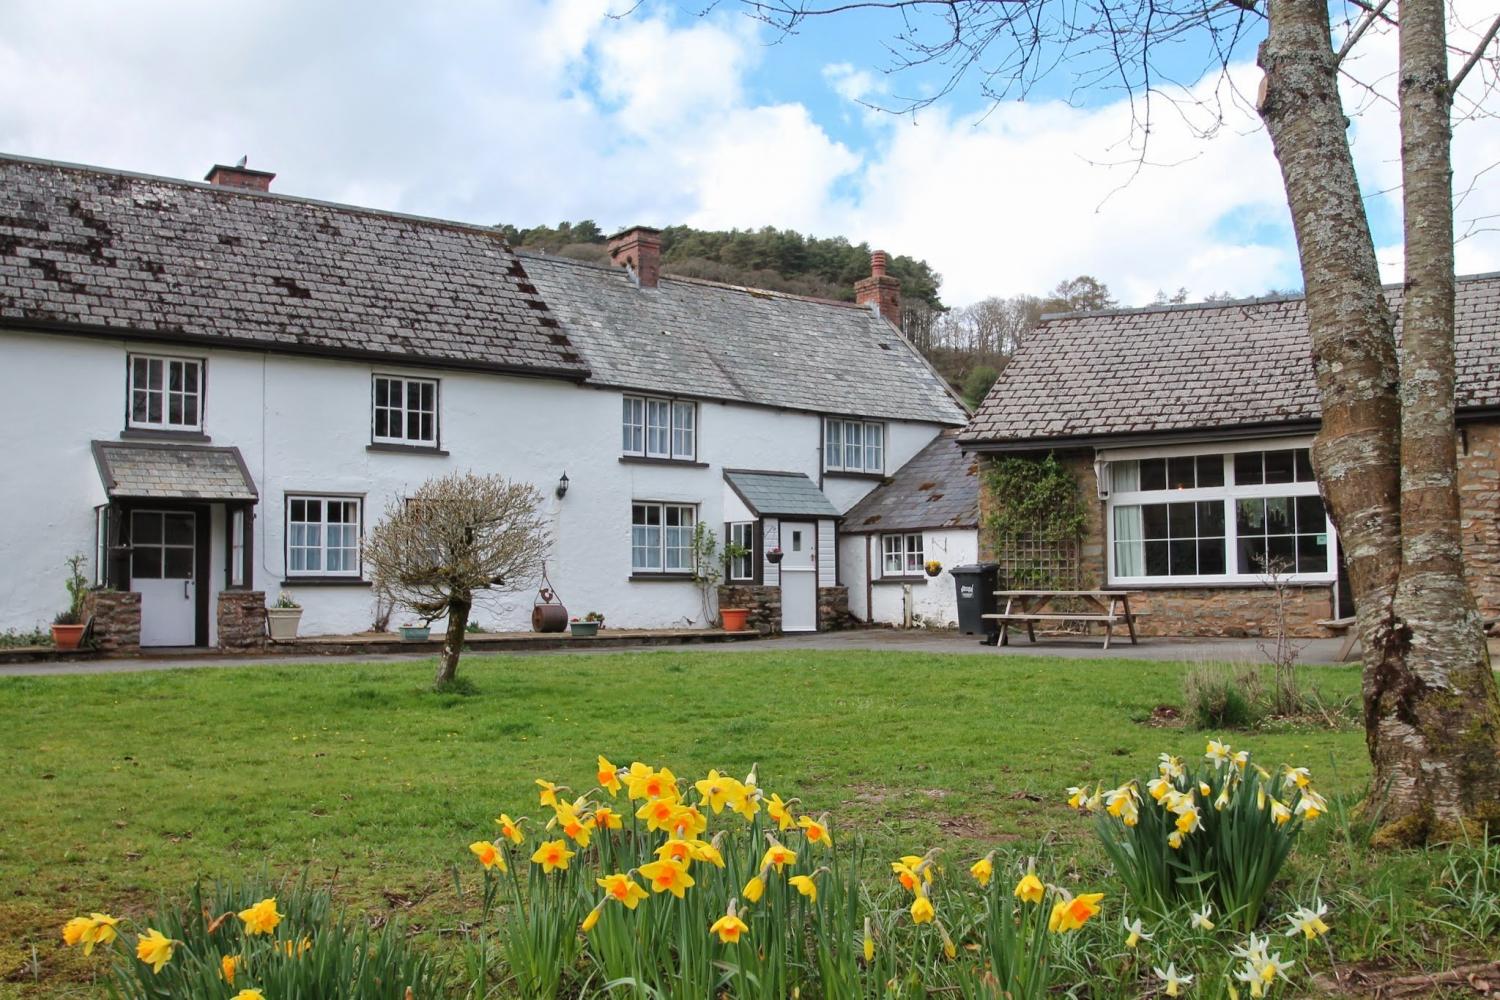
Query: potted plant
(416, 631)
(586, 627)
(283, 617)
(773, 554)
(68, 626)
(734, 619)
(934, 567)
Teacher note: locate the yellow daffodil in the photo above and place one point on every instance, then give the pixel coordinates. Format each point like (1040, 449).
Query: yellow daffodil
(667, 876)
(745, 799)
(1122, 803)
(1030, 889)
(608, 776)
(910, 880)
(1299, 776)
(983, 869)
(647, 783)
(74, 929)
(575, 827)
(1202, 920)
(1241, 759)
(552, 855)
(729, 928)
(706, 851)
(1135, 932)
(1170, 767)
(548, 793)
(1174, 840)
(1221, 801)
(869, 943)
(592, 917)
(1189, 820)
(488, 854)
(805, 885)
(921, 909)
(1280, 813)
(1174, 980)
(155, 949)
(1204, 789)
(606, 818)
(622, 889)
(658, 813)
(1078, 798)
(949, 948)
(1071, 914)
(1311, 805)
(1309, 921)
(778, 857)
(680, 851)
(298, 949)
(101, 929)
(780, 811)
(754, 889)
(261, 918)
(816, 830)
(228, 966)
(509, 829)
(1159, 787)
(1217, 753)
(249, 995)
(687, 821)
(716, 790)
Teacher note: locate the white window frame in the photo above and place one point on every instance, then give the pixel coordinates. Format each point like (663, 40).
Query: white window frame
(321, 545)
(659, 427)
(663, 551)
(902, 554)
(237, 518)
(839, 445)
(742, 533)
(167, 363)
(1227, 494)
(401, 411)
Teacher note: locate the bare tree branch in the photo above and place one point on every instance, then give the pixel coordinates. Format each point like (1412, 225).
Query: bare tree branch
(1474, 57)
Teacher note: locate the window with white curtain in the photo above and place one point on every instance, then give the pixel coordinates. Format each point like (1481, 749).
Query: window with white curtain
(661, 537)
(654, 427)
(853, 446)
(901, 555)
(1236, 516)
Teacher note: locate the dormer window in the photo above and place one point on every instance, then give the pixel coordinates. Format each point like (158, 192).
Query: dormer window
(165, 393)
(656, 427)
(856, 446)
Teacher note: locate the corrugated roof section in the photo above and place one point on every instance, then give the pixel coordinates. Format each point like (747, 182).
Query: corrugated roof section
(1189, 368)
(184, 472)
(937, 489)
(713, 341)
(780, 494)
(81, 247)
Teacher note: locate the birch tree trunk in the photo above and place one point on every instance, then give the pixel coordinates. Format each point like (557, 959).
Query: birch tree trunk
(1385, 452)
(459, 606)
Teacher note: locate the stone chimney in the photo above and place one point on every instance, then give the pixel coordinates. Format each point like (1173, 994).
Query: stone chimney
(638, 249)
(239, 176)
(880, 289)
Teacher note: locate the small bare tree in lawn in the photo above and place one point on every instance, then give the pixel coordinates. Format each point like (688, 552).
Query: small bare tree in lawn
(459, 538)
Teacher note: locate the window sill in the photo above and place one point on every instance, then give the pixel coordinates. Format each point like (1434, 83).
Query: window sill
(151, 434)
(919, 578)
(679, 462)
(406, 449)
(1256, 584)
(326, 581)
(661, 577)
(839, 474)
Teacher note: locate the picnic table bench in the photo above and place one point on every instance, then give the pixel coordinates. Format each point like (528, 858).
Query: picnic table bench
(1030, 607)
(1345, 627)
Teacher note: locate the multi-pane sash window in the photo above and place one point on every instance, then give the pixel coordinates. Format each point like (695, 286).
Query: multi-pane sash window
(853, 446)
(742, 567)
(405, 410)
(165, 393)
(659, 428)
(901, 555)
(322, 536)
(661, 537)
(1216, 518)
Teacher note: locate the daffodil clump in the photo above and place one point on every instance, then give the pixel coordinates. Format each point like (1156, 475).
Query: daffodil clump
(1220, 829)
(254, 943)
(719, 887)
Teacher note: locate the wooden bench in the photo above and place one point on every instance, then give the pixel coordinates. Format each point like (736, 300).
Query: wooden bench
(1346, 628)
(1031, 607)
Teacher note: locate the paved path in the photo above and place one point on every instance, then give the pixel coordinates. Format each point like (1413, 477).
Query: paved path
(871, 640)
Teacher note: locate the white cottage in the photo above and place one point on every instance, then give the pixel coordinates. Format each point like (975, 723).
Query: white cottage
(219, 389)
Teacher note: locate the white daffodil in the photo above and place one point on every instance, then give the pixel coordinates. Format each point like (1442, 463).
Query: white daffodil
(1134, 932)
(1201, 920)
(1309, 922)
(1218, 753)
(1175, 981)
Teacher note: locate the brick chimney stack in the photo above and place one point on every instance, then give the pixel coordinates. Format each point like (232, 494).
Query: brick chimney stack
(238, 176)
(880, 289)
(639, 249)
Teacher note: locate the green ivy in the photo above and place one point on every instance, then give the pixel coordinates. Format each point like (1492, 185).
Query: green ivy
(1037, 500)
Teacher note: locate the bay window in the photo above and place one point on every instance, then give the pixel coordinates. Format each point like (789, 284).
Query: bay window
(1224, 517)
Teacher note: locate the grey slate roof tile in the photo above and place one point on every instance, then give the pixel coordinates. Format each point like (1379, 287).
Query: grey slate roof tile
(780, 494)
(192, 472)
(938, 488)
(713, 341)
(1186, 368)
(181, 260)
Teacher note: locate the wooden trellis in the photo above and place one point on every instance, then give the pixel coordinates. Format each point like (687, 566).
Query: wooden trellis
(1033, 562)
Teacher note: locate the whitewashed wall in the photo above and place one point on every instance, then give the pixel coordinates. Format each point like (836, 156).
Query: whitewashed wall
(302, 424)
(933, 598)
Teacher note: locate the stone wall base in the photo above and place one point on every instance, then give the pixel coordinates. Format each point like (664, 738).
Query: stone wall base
(117, 619)
(1231, 612)
(242, 619)
(833, 609)
(763, 603)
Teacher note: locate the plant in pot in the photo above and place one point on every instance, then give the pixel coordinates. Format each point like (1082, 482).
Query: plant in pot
(734, 619)
(283, 618)
(416, 631)
(588, 626)
(773, 554)
(934, 567)
(68, 626)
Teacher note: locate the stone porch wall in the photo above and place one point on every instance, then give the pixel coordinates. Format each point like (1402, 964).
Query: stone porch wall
(242, 619)
(763, 603)
(117, 619)
(833, 609)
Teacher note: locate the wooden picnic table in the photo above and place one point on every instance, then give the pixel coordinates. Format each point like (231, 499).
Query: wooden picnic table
(1028, 607)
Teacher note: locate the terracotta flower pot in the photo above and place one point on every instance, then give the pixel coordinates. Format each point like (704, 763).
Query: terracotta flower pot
(67, 636)
(734, 618)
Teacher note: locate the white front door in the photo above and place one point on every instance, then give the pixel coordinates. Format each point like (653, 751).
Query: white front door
(799, 577)
(163, 551)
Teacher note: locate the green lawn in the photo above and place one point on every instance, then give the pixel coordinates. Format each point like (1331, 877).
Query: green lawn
(119, 786)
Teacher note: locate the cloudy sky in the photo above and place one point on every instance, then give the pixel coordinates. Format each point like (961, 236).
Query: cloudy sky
(532, 112)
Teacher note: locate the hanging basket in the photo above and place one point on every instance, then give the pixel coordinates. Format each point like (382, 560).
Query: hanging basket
(548, 614)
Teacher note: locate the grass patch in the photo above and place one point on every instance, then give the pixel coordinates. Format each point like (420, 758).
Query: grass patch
(119, 787)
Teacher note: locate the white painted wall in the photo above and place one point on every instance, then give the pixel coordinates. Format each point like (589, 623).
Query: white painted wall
(303, 424)
(933, 598)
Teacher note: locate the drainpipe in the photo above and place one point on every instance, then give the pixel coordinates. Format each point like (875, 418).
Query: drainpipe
(869, 585)
(906, 605)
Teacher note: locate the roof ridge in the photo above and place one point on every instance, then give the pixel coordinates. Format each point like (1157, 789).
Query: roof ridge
(226, 190)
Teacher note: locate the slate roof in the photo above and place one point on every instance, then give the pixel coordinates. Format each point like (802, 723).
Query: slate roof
(937, 489)
(127, 254)
(723, 342)
(779, 494)
(185, 472)
(1175, 369)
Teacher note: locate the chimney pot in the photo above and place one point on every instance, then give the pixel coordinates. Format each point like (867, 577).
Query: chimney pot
(239, 176)
(877, 263)
(639, 249)
(880, 289)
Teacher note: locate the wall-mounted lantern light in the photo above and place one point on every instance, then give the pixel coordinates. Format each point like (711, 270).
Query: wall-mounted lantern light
(562, 486)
